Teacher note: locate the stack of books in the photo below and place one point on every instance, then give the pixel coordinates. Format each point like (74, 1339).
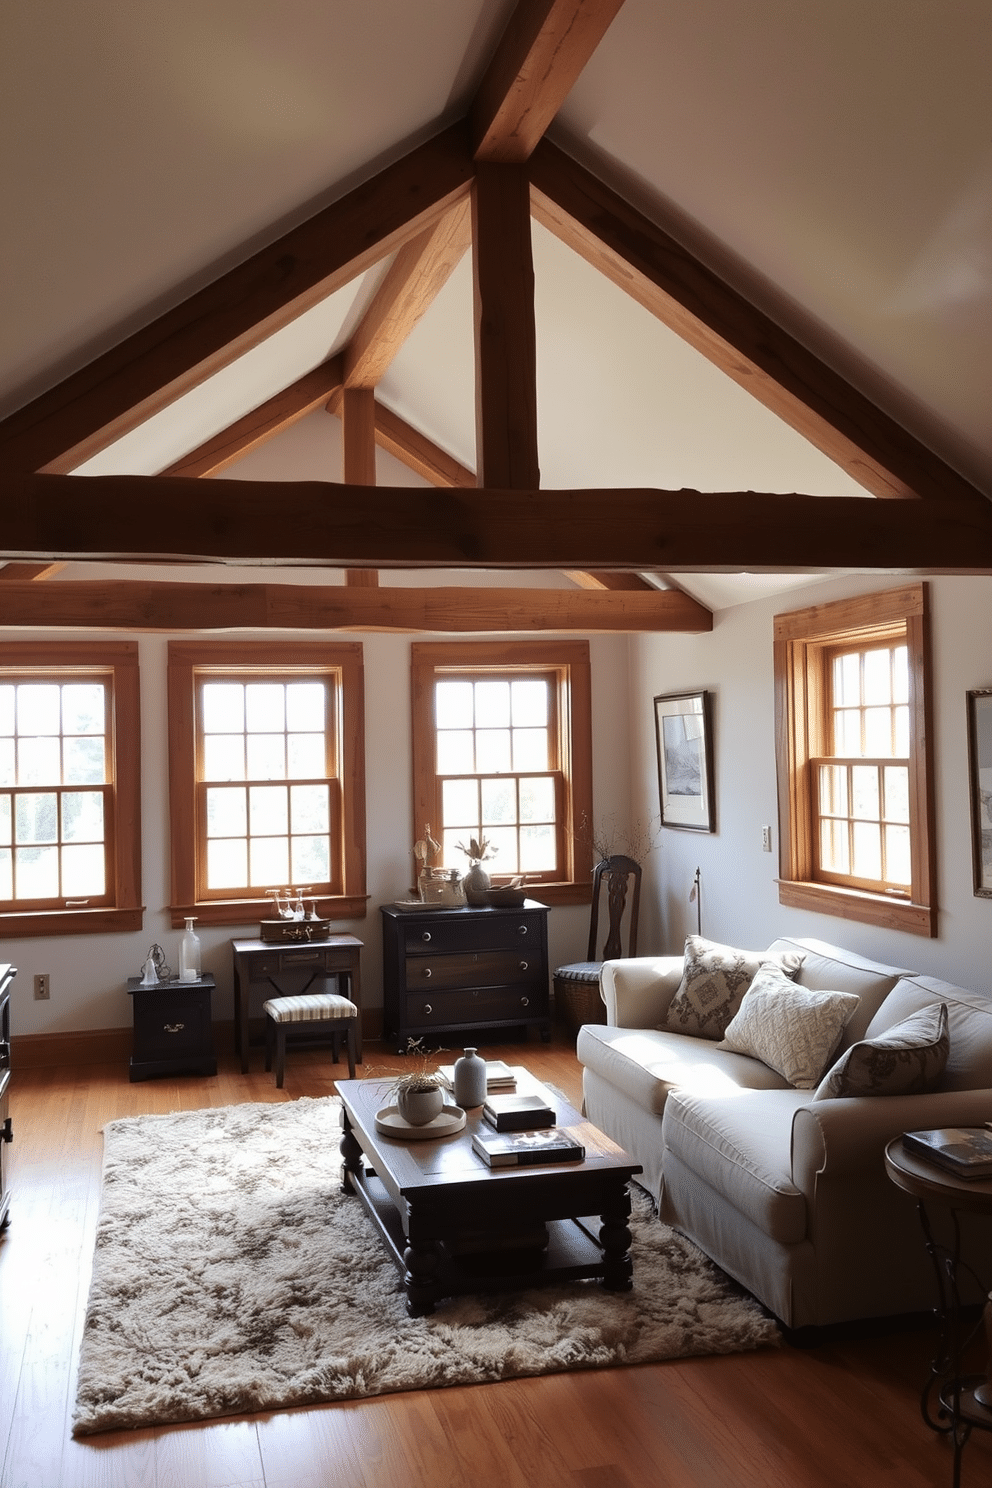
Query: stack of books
(499, 1075)
(965, 1151)
(523, 1133)
(517, 1112)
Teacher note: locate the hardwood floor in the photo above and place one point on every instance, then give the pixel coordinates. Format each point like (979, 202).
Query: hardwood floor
(842, 1413)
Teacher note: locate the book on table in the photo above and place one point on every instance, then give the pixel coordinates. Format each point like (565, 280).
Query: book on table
(964, 1150)
(499, 1075)
(518, 1112)
(527, 1148)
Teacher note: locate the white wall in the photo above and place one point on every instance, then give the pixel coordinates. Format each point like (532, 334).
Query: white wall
(739, 894)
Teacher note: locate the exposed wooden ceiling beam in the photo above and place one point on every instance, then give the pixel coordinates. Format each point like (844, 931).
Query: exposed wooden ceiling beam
(416, 276)
(358, 459)
(641, 530)
(205, 606)
(545, 46)
(745, 344)
(419, 453)
(23, 573)
(270, 418)
(179, 349)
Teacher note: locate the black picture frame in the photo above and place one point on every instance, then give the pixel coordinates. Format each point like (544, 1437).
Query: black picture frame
(684, 735)
(980, 779)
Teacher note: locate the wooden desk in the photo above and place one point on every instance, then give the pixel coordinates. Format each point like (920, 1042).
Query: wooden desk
(263, 970)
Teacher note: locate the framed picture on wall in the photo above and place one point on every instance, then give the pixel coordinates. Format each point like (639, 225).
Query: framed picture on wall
(980, 763)
(683, 728)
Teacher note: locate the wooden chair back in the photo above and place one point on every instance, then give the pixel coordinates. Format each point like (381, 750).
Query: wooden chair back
(621, 878)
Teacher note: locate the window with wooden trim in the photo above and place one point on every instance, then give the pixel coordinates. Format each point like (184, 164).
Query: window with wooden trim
(267, 787)
(502, 749)
(70, 846)
(855, 781)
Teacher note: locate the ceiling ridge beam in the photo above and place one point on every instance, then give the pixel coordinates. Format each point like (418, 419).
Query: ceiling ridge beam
(759, 355)
(641, 530)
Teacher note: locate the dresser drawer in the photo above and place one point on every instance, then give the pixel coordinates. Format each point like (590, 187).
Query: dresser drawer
(500, 932)
(473, 1005)
(171, 1025)
(274, 963)
(472, 969)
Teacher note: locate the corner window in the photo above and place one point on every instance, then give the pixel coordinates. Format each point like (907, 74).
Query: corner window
(267, 751)
(855, 792)
(502, 749)
(70, 849)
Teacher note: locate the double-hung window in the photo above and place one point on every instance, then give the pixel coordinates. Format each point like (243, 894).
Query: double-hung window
(854, 776)
(267, 749)
(501, 743)
(70, 843)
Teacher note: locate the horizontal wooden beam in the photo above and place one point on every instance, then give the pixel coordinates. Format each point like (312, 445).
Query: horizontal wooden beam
(134, 606)
(640, 530)
(180, 348)
(650, 265)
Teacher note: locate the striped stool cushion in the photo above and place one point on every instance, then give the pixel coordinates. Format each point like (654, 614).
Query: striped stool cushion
(315, 1008)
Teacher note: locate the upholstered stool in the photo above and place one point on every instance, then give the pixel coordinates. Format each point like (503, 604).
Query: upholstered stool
(307, 1010)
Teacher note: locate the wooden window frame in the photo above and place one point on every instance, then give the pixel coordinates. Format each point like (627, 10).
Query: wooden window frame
(188, 661)
(119, 661)
(803, 641)
(570, 664)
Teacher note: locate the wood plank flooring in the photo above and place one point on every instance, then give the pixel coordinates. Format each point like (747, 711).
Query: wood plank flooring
(842, 1413)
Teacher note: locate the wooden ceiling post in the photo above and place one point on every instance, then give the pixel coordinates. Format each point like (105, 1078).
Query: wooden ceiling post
(358, 459)
(505, 335)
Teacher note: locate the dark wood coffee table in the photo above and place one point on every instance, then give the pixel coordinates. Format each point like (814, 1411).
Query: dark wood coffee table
(453, 1225)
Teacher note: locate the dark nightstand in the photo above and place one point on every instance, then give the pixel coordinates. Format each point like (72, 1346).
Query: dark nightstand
(173, 1031)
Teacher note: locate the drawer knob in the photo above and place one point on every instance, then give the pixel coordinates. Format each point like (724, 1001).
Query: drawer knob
(428, 973)
(425, 936)
(427, 1009)
(524, 965)
(174, 1027)
(521, 929)
(525, 1002)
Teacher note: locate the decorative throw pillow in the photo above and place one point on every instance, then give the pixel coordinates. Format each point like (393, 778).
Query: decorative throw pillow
(908, 1059)
(714, 980)
(792, 1029)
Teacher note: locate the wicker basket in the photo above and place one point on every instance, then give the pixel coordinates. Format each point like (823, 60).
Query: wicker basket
(578, 1002)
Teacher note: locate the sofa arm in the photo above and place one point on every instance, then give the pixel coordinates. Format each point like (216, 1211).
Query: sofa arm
(638, 990)
(844, 1137)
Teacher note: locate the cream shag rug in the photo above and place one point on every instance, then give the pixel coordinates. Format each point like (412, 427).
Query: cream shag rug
(232, 1275)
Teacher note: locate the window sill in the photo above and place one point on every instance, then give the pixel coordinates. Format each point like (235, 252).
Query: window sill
(107, 920)
(852, 904)
(253, 911)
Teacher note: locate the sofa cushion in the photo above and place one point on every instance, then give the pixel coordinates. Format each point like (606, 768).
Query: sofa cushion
(714, 980)
(741, 1149)
(793, 1029)
(647, 1064)
(830, 968)
(969, 1027)
(908, 1059)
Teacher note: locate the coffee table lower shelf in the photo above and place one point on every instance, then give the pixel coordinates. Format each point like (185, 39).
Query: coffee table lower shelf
(572, 1253)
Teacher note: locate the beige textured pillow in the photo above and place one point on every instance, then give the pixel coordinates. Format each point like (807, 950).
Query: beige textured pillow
(714, 980)
(791, 1029)
(908, 1059)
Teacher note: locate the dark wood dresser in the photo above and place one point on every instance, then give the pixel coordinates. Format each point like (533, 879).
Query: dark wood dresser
(464, 970)
(7, 975)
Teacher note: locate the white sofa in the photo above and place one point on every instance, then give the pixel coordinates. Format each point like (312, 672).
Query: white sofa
(787, 1193)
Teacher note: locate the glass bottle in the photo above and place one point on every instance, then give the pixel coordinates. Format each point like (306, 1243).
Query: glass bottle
(189, 954)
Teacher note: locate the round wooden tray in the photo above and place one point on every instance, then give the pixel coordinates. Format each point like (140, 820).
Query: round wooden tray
(445, 1124)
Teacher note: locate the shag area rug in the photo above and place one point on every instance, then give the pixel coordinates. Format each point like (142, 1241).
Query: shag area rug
(231, 1275)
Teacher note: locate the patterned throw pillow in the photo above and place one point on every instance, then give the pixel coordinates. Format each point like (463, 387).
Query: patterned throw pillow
(791, 1029)
(714, 980)
(908, 1059)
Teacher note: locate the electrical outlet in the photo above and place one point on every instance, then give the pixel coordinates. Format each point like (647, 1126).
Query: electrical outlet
(42, 987)
(766, 839)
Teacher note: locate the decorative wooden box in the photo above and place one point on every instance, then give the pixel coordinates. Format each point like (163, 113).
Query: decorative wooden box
(293, 932)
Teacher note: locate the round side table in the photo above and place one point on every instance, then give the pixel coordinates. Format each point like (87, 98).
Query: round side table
(964, 1402)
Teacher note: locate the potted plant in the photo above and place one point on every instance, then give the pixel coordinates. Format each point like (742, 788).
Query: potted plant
(419, 1092)
(476, 882)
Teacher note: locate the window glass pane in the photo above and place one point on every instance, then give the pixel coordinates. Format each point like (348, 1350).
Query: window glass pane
(453, 702)
(37, 818)
(878, 731)
(529, 703)
(847, 681)
(309, 807)
(455, 752)
(834, 846)
(537, 799)
(492, 705)
(898, 868)
(224, 757)
(82, 817)
(896, 793)
(878, 677)
(311, 860)
(36, 871)
(39, 761)
(530, 749)
(492, 748)
(83, 872)
(269, 861)
(864, 782)
(227, 813)
(833, 790)
(84, 761)
(502, 842)
(5, 822)
(265, 707)
(537, 850)
(6, 873)
(268, 813)
(7, 708)
(38, 708)
(227, 863)
(847, 733)
(451, 854)
(305, 756)
(306, 707)
(902, 733)
(7, 776)
(900, 674)
(223, 707)
(867, 851)
(266, 757)
(499, 801)
(84, 708)
(460, 804)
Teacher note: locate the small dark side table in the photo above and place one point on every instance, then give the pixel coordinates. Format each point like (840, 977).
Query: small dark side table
(964, 1402)
(173, 1029)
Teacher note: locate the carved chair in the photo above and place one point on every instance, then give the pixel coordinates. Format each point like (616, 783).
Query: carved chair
(576, 985)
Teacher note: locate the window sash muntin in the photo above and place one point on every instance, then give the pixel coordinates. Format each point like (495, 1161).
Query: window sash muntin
(840, 817)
